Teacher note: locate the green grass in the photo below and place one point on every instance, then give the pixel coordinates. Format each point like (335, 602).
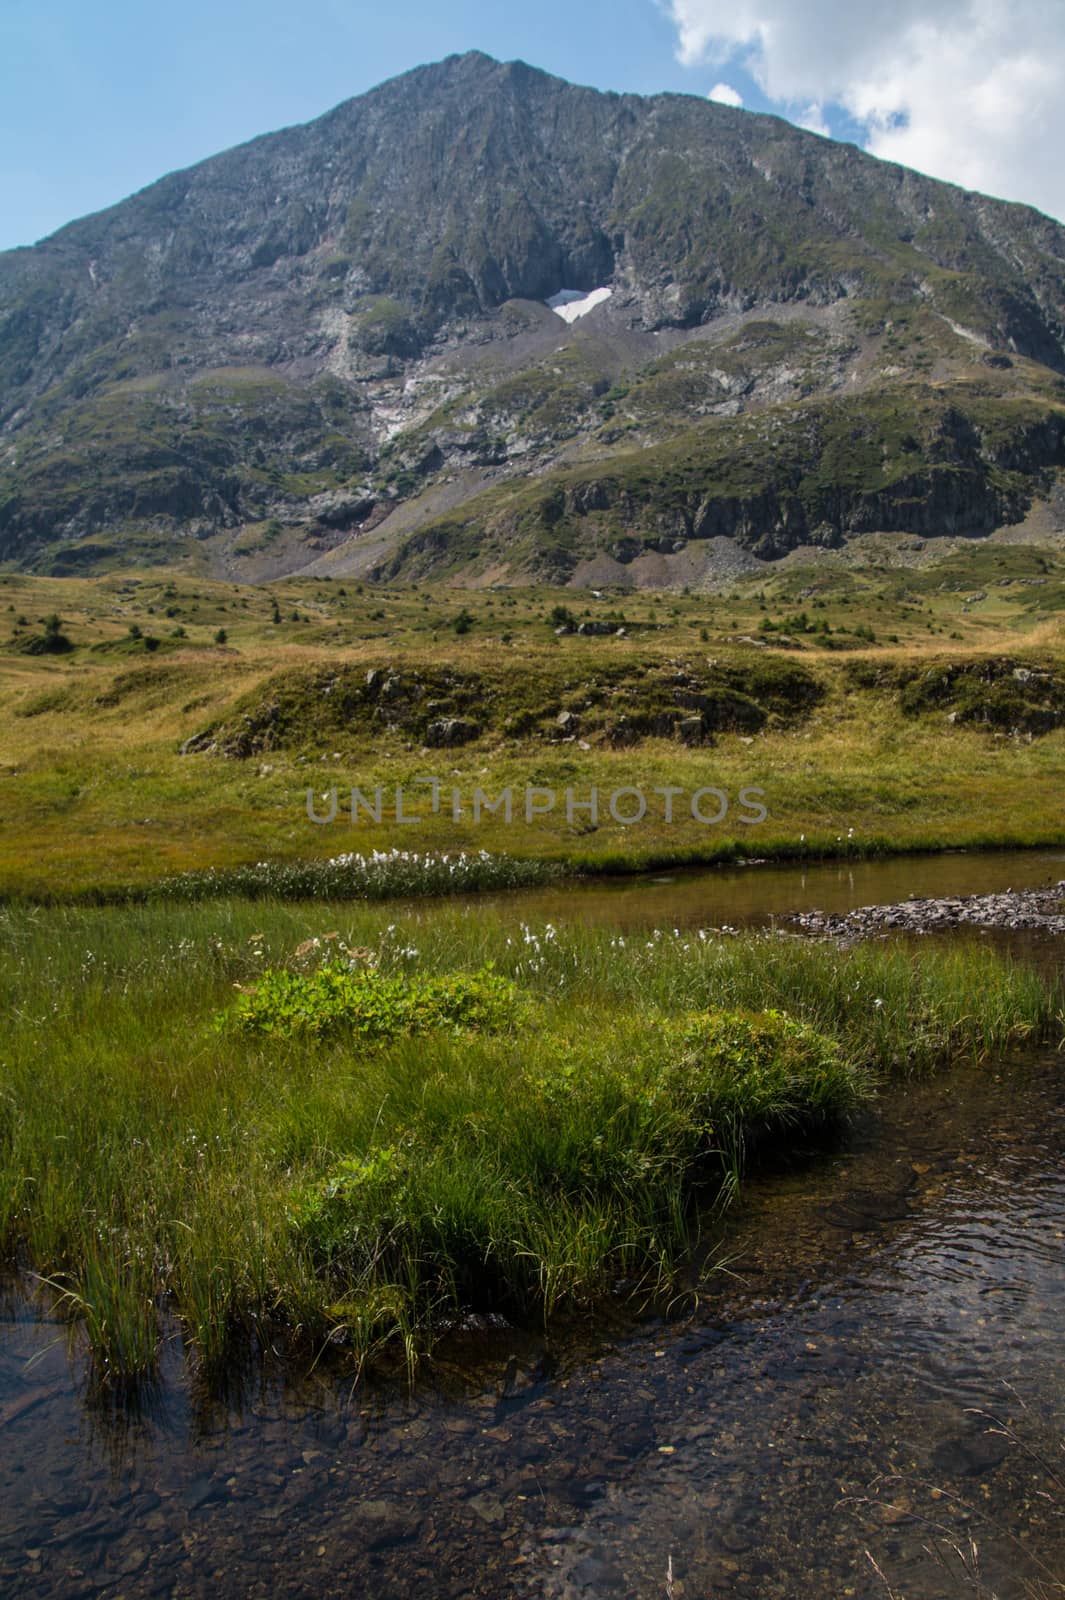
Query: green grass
(368, 1154)
(99, 802)
(381, 875)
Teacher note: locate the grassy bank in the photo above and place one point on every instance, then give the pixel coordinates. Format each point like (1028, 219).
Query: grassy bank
(107, 804)
(887, 708)
(301, 1120)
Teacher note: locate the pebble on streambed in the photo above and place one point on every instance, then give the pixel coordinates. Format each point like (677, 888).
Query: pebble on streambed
(1015, 909)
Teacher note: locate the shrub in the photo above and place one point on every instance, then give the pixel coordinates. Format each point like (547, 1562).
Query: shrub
(52, 642)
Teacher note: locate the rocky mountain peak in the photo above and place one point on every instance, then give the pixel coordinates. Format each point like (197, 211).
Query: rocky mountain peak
(371, 308)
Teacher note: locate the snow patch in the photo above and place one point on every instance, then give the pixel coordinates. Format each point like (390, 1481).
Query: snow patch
(569, 304)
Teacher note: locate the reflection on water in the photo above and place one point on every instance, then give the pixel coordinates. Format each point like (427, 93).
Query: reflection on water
(762, 893)
(888, 1379)
(819, 1412)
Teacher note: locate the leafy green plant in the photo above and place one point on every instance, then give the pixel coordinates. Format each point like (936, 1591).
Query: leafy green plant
(372, 1004)
(594, 1158)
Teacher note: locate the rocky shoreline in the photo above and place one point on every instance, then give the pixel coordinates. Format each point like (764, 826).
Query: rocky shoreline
(1013, 909)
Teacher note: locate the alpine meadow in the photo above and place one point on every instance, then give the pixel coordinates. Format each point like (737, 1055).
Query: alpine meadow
(532, 865)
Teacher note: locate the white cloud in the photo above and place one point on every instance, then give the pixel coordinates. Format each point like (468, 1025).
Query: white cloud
(968, 90)
(725, 95)
(812, 118)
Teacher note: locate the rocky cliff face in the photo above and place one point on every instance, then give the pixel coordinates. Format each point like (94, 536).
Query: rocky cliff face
(332, 341)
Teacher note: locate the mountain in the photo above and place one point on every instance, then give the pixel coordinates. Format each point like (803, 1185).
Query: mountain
(331, 349)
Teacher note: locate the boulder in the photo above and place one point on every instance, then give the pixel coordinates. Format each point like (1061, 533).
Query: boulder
(450, 731)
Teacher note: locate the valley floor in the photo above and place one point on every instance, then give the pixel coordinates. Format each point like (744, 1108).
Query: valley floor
(863, 708)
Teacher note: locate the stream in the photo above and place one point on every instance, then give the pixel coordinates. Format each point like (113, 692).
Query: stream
(763, 894)
(866, 1399)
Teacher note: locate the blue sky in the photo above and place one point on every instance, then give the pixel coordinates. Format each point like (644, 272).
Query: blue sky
(97, 101)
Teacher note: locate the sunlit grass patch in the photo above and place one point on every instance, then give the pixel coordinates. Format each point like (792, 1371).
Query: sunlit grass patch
(343, 997)
(370, 1151)
(100, 801)
(539, 1178)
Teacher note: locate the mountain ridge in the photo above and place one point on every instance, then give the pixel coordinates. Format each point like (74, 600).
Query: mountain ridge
(257, 362)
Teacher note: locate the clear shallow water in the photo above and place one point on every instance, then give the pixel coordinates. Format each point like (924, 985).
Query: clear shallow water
(759, 894)
(894, 1306)
(816, 1412)
(819, 1403)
